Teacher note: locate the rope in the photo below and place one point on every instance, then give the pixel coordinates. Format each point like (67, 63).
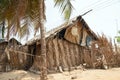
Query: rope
(18, 52)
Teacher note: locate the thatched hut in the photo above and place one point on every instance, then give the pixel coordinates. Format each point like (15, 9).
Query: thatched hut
(12, 43)
(66, 46)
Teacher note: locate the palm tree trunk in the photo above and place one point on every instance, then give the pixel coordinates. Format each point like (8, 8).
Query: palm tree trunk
(43, 68)
(43, 55)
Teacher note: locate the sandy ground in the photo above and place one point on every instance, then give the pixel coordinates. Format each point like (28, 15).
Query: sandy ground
(92, 74)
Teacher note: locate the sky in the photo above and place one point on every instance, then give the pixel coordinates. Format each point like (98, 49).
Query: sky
(105, 17)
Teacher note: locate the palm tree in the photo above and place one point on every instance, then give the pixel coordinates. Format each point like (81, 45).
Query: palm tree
(19, 14)
(43, 69)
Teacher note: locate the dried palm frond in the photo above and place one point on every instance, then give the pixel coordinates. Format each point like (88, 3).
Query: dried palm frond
(15, 12)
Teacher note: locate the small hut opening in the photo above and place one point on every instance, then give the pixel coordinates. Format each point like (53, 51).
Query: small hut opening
(30, 59)
(61, 34)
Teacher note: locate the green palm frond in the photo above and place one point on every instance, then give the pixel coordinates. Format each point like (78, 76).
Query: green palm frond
(65, 6)
(58, 2)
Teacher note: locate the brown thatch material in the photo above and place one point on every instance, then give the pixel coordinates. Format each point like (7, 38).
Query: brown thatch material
(67, 56)
(62, 54)
(71, 49)
(3, 57)
(2, 47)
(85, 34)
(106, 48)
(102, 54)
(50, 59)
(77, 55)
(56, 52)
(17, 57)
(73, 34)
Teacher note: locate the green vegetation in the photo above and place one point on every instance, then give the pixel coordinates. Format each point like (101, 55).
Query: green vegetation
(118, 38)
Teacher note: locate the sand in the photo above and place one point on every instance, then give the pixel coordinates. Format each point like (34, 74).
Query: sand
(92, 74)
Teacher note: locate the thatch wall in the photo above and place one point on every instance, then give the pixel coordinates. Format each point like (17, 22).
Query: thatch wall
(60, 53)
(17, 57)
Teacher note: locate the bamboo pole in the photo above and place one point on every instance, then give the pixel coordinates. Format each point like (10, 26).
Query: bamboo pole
(76, 54)
(63, 62)
(56, 52)
(72, 56)
(67, 56)
(50, 54)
